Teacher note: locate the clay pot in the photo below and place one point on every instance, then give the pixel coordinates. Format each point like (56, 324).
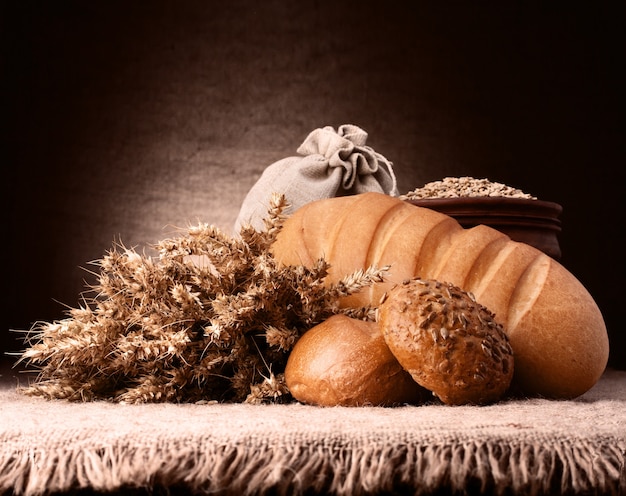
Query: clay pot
(534, 222)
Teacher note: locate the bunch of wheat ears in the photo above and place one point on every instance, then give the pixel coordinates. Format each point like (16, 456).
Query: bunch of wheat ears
(212, 317)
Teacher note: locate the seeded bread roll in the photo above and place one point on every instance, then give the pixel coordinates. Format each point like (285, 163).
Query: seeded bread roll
(345, 362)
(449, 344)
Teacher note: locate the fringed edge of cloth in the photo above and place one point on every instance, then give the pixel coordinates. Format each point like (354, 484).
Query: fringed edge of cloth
(333, 466)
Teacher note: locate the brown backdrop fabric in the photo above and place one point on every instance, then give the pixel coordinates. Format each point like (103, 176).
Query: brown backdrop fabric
(125, 120)
(530, 446)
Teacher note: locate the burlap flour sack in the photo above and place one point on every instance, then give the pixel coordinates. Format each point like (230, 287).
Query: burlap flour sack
(333, 163)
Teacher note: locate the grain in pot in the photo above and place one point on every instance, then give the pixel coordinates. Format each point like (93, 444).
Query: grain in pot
(456, 187)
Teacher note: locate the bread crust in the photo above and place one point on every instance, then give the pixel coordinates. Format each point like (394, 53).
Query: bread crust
(345, 362)
(449, 343)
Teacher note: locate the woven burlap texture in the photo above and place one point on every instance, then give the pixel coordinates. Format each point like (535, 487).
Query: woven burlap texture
(534, 446)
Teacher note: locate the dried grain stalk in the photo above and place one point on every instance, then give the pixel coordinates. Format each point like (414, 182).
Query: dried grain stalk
(211, 318)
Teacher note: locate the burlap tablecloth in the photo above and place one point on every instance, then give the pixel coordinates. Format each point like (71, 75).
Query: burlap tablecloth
(533, 446)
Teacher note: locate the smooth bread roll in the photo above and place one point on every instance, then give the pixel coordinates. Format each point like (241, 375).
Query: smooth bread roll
(554, 326)
(449, 343)
(345, 362)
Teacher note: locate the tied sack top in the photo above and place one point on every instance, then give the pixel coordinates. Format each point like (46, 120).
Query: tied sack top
(332, 163)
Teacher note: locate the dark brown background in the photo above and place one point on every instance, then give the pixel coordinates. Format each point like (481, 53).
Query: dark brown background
(124, 119)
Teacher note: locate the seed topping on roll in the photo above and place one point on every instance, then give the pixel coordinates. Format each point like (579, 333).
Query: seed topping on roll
(448, 342)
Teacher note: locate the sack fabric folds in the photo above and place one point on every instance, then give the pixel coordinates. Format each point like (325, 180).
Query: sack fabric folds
(332, 163)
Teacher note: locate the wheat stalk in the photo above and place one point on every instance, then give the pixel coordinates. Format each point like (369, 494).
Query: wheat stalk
(211, 318)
